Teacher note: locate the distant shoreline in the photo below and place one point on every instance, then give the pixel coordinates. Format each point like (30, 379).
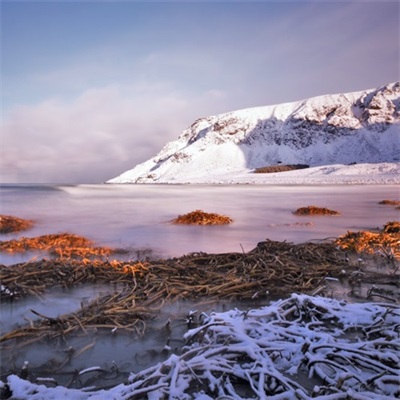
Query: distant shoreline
(337, 174)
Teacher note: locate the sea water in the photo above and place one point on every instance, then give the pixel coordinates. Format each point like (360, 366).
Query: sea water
(138, 217)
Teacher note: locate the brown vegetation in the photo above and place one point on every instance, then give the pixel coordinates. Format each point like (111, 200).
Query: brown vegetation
(271, 269)
(386, 241)
(390, 202)
(9, 224)
(200, 217)
(313, 210)
(63, 245)
(280, 168)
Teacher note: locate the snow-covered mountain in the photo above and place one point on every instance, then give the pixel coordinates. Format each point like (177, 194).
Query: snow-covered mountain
(352, 128)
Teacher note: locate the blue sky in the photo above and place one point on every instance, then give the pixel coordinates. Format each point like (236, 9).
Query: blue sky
(90, 89)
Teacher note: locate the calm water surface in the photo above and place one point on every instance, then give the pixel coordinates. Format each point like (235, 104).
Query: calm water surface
(138, 216)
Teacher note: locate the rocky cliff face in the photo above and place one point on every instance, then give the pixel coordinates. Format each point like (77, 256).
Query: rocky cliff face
(360, 127)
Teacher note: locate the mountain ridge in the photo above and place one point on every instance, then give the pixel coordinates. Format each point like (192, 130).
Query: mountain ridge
(356, 127)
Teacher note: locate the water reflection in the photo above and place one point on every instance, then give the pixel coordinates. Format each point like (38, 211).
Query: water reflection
(54, 303)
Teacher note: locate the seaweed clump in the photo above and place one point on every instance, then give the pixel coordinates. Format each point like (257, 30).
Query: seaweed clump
(9, 224)
(199, 217)
(390, 202)
(313, 210)
(386, 241)
(63, 245)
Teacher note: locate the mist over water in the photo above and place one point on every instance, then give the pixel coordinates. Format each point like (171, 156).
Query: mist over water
(138, 216)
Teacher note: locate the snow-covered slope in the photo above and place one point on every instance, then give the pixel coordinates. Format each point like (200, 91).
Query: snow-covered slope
(359, 127)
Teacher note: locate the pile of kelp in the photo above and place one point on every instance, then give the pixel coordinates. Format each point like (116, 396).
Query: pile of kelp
(9, 224)
(391, 203)
(385, 242)
(62, 245)
(200, 217)
(314, 210)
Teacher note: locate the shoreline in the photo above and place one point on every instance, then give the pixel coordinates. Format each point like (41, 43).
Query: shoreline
(322, 268)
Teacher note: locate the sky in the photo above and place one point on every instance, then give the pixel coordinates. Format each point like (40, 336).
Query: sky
(89, 89)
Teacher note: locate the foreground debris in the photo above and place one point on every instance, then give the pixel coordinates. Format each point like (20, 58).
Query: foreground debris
(301, 347)
(262, 353)
(253, 354)
(272, 268)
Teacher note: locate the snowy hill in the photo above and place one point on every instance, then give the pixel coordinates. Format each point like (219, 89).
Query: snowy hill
(331, 130)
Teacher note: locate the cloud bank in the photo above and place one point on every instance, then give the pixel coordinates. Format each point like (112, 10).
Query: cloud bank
(96, 135)
(92, 89)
